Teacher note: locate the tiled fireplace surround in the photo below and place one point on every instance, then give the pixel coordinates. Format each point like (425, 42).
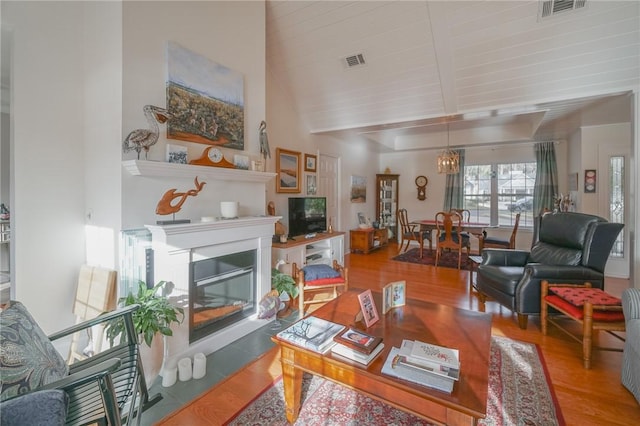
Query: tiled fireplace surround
(176, 246)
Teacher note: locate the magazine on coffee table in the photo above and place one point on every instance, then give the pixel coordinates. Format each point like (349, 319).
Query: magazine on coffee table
(312, 333)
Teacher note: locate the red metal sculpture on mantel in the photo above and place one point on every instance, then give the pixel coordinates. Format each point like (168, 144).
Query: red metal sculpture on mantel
(165, 205)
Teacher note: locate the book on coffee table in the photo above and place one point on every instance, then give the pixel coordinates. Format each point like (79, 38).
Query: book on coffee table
(432, 366)
(358, 340)
(312, 333)
(432, 353)
(396, 367)
(354, 355)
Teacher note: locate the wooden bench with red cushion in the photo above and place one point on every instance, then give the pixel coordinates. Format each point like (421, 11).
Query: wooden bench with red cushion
(592, 307)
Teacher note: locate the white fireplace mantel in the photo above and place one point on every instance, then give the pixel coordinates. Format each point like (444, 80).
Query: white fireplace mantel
(176, 246)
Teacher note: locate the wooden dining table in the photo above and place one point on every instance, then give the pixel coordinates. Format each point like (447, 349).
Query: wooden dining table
(473, 228)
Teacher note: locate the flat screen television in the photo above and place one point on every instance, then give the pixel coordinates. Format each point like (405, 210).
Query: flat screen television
(307, 215)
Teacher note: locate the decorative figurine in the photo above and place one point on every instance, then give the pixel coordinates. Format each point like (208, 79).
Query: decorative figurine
(143, 139)
(165, 207)
(264, 142)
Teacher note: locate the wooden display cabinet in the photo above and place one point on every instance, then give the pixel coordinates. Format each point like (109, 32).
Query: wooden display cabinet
(387, 202)
(366, 240)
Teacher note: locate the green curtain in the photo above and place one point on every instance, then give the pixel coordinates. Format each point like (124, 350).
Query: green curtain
(546, 186)
(454, 187)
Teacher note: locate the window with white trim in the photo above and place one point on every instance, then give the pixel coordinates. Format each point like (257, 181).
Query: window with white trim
(495, 193)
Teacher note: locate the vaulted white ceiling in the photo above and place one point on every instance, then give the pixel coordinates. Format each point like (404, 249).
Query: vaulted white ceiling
(491, 71)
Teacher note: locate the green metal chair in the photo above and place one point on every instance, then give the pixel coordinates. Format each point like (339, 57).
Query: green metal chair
(101, 388)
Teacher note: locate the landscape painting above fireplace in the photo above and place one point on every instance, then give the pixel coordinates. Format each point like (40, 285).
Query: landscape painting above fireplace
(205, 100)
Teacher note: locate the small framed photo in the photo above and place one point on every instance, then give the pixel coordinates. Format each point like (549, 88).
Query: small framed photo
(312, 187)
(358, 340)
(368, 308)
(393, 295)
(176, 154)
(310, 163)
(362, 220)
(241, 162)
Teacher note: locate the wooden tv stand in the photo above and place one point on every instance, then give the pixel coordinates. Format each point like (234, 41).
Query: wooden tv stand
(324, 248)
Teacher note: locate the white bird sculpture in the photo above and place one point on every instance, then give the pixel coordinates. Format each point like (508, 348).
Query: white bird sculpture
(143, 139)
(264, 141)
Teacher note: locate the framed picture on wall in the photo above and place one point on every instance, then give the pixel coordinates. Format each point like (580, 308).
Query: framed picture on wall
(312, 187)
(590, 181)
(358, 189)
(288, 171)
(309, 163)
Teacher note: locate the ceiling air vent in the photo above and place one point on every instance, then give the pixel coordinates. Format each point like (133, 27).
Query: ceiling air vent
(354, 60)
(553, 7)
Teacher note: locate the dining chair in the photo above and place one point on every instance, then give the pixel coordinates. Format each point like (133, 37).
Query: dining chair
(465, 215)
(449, 235)
(411, 232)
(485, 241)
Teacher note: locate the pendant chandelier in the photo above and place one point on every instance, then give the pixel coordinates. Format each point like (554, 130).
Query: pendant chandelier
(448, 160)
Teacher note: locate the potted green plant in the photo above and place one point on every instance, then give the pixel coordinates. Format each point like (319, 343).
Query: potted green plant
(155, 315)
(284, 284)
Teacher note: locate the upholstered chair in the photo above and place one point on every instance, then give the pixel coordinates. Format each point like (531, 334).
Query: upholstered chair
(571, 248)
(631, 354)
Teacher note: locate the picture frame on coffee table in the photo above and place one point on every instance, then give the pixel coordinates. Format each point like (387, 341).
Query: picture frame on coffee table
(368, 307)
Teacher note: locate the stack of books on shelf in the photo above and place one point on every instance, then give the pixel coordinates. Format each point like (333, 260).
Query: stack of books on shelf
(312, 333)
(357, 346)
(425, 364)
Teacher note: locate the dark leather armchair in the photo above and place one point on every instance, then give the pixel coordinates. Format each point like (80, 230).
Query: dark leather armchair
(566, 247)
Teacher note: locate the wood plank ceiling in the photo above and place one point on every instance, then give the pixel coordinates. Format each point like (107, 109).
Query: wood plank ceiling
(493, 70)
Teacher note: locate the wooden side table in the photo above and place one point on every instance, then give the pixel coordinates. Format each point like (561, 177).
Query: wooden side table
(366, 240)
(475, 261)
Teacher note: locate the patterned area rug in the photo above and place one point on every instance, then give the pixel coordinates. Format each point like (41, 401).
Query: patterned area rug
(448, 259)
(519, 394)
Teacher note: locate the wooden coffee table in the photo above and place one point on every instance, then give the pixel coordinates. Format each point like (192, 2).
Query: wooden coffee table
(468, 331)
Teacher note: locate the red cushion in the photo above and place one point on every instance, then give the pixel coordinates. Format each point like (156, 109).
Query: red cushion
(325, 281)
(578, 295)
(578, 313)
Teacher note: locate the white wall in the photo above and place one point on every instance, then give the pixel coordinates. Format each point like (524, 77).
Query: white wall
(287, 131)
(77, 94)
(229, 33)
(49, 162)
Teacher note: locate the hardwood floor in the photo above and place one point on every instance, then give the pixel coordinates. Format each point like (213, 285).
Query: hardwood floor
(586, 397)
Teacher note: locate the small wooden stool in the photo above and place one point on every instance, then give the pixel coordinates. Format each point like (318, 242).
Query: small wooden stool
(592, 307)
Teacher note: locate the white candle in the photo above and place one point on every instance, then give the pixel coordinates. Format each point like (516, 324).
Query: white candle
(199, 366)
(169, 376)
(184, 369)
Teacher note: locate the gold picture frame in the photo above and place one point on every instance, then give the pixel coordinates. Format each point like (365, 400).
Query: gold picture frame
(288, 170)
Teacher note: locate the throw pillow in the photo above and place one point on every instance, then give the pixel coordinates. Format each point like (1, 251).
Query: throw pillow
(316, 272)
(28, 359)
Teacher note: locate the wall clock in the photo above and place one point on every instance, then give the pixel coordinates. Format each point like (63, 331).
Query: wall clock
(212, 156)
(421, 183)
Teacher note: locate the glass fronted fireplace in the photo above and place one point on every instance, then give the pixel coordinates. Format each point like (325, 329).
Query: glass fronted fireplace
(222, 292)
